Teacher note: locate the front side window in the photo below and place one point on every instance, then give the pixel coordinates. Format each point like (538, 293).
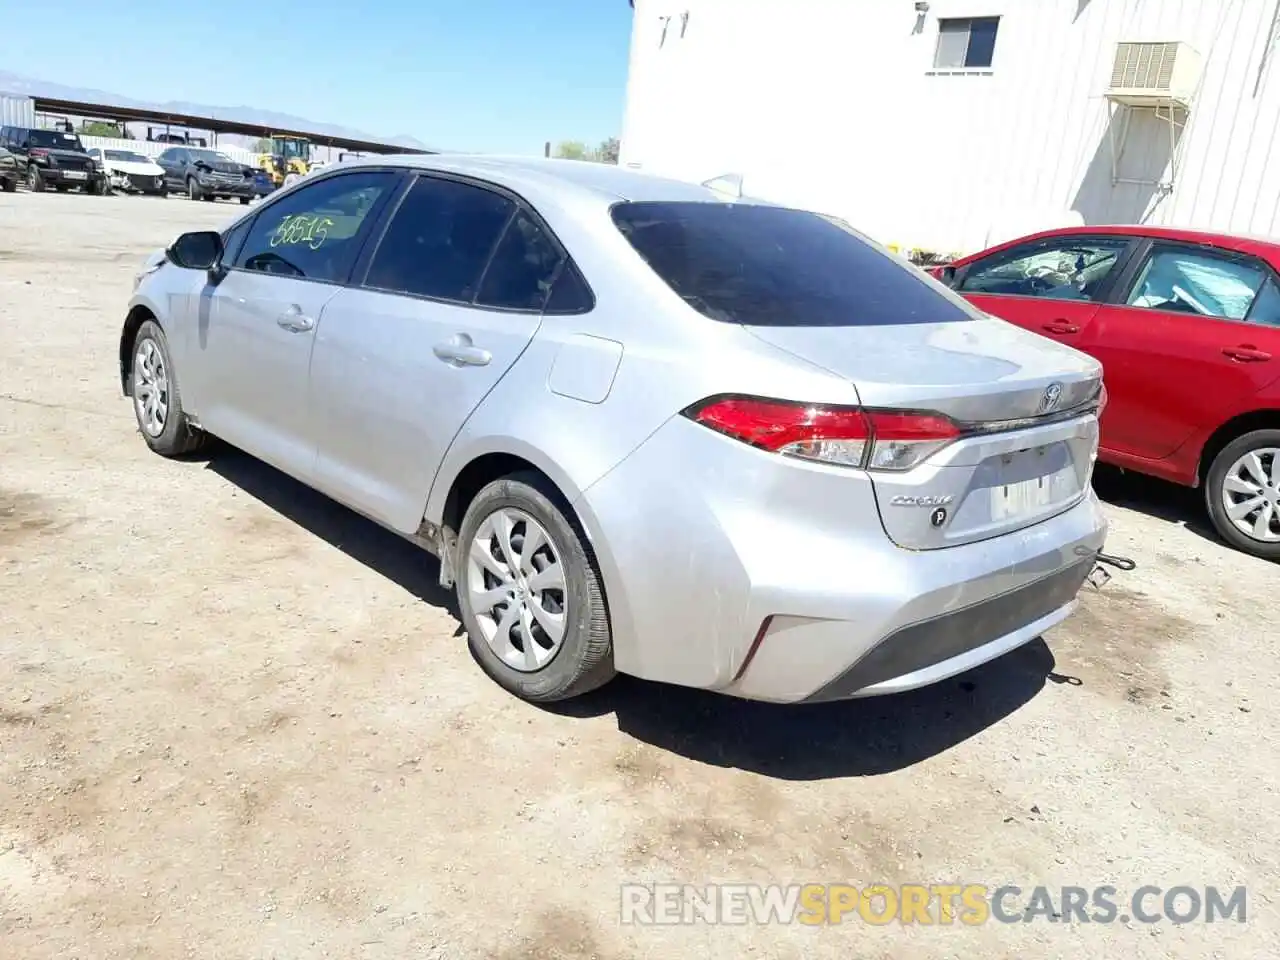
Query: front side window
(1073, 268)
(313, 233)
(1202, 283)
(439, 240)
(773, 266)
(966, 43)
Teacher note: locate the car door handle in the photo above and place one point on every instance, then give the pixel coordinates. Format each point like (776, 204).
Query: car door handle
(1246, 354)
(459, 351)
(295, 321)
(1061, 326)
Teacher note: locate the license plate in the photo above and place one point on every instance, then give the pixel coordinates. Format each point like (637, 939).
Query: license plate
(75, 174)
(1026, 496)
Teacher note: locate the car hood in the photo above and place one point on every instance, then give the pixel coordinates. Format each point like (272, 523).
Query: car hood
(65, 154)
(147, 169)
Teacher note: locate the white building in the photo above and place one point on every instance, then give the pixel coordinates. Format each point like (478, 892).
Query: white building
(950, 124)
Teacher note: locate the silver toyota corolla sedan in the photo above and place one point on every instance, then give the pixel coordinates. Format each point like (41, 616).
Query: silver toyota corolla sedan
(646, 427)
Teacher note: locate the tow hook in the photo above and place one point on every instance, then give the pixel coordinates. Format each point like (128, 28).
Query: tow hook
(1100, 576)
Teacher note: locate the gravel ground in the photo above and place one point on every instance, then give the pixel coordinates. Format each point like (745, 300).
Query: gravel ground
(238, 721)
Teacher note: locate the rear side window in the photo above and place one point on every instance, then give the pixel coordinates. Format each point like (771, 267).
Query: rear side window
(440, 240)
(773, 266)
(569, 293)
(522, 269)
(1199, 282)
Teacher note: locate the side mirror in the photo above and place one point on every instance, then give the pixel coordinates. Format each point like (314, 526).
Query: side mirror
(948, 275)
(199, 250)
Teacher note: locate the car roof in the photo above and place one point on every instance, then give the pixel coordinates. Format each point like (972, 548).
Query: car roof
(604, 181)
(1265, 246)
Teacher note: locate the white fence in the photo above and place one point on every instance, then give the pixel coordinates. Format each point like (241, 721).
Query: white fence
(150, 149)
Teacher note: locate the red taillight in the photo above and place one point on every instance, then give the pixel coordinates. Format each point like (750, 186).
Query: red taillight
(38, 152)
(848, 436)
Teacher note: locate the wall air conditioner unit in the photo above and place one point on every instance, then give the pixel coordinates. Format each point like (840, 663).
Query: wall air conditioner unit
(1164, 74)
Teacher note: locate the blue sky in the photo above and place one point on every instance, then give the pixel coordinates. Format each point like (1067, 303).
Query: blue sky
(487, 75)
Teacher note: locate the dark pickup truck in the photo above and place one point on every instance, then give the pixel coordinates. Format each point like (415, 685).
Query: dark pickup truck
(53, 159)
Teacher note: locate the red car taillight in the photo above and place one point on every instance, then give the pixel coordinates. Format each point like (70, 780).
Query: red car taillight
(38, 152)
(847, 436)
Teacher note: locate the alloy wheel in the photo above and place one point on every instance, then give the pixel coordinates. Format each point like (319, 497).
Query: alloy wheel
(1251, 494)
(517, 589)
(150, 388)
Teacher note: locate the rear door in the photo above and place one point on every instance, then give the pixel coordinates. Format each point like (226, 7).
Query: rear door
(1049, 286)
(452, 295)
(1192, 334)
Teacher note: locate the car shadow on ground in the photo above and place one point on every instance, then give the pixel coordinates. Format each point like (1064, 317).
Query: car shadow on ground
(382, 551)
(791, 742)
(1156, 498)
(851, 738)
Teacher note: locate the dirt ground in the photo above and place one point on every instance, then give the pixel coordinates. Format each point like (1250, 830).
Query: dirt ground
(237, 721)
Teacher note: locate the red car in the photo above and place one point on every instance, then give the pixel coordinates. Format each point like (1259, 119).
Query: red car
(1187, 328)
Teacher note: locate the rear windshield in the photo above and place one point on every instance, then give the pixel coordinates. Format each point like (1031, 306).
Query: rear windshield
(773, 266)
(53, 140)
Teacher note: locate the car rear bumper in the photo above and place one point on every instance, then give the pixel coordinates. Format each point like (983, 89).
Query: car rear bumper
(735, 570)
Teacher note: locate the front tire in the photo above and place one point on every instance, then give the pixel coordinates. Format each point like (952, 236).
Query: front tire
(1242, 492)
(157, 402)
(193, 190)
(9, 186)
(530, 594)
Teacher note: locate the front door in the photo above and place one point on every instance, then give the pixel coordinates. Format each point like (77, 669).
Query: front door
(1051, 287)
(258, 331)
(452, 296)
(1191, 336)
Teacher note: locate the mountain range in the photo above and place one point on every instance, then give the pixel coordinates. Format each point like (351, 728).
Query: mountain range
(26, 86)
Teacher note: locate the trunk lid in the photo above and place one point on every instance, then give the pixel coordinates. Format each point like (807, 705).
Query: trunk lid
(1024, 456)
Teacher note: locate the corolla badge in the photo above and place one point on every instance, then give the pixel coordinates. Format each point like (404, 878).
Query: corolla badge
(1052, 394)
(906, 501)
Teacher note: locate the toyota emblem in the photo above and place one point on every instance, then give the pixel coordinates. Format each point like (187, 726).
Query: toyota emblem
(1052, 394)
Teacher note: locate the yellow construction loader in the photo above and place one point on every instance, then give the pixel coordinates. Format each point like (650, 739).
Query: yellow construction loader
(286, 155)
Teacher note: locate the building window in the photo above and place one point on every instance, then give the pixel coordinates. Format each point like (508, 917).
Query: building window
(966, 43)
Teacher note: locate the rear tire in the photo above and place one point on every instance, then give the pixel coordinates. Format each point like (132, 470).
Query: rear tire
(9, 186)
(244, 201)
(1233, 482)
(35, 182)
(157, 402)
(503, 633)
